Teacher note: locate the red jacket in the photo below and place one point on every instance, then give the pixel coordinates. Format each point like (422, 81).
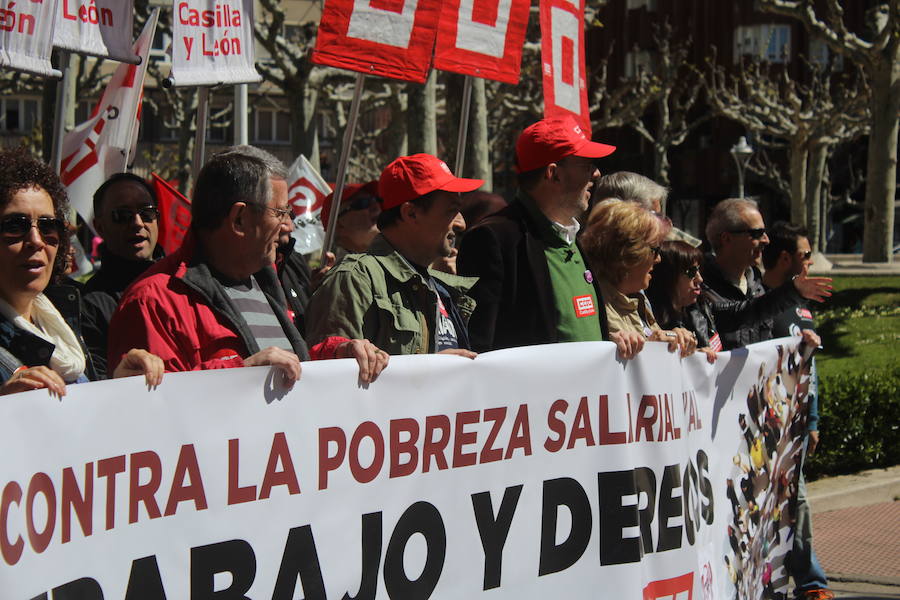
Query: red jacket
(177, 311)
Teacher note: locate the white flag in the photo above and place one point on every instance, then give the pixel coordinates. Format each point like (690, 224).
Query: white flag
(306, 194)
(213, 42)
(96, 27)
(26, 35)
(99, 147)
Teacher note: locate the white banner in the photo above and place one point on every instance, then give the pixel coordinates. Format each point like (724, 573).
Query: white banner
(100, 146)
(213, 42)
(26, 36)
(307, 191)
(96, 27)
(540, 472)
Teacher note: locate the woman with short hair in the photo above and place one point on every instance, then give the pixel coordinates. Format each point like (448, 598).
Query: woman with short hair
(40, 346)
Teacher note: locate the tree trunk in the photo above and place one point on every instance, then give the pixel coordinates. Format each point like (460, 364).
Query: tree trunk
(421, 117)
(799, 159)
(304, 125)
(479, 156)
(881, 171)
(815, 175)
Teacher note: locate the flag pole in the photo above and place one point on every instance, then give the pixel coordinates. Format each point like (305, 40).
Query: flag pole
(59, 125)
(200, 139)
(342, 165)
(240, 115)
(131, 145)
(463, 127)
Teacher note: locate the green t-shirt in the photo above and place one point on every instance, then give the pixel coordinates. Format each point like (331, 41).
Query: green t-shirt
(573, 291)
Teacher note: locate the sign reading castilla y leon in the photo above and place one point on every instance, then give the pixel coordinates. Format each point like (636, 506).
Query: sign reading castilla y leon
(537, 472)
(213, 42)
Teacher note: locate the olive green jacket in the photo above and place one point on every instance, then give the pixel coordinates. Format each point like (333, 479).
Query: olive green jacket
(380, 297)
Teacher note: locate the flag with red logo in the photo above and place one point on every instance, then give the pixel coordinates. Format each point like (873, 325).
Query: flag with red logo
(307, 191)
(100, 146)
(482, 38)
(96, 27)
(174, 214)
(562, 61)
(389, 38)
(26, 36)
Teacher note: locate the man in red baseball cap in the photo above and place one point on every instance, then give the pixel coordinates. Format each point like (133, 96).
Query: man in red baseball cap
(389, 293)
(534, 284)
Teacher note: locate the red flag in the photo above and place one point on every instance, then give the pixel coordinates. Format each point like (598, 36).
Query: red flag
(389, 38)
(175, 214)
(562, 57)
(482, 38)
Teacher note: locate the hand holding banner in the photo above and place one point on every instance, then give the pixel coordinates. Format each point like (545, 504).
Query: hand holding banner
(562, 57)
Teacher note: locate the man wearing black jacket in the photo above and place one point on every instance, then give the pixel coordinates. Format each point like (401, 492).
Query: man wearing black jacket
(127, 218)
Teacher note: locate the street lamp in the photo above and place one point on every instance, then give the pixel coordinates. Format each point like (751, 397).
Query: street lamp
(742, 151)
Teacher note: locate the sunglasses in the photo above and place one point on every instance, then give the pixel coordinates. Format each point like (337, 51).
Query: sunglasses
(806, 255)
(691, 272)
(18, 226)
(655, 250)
(358, 203)
(753, 233)
(124, 215)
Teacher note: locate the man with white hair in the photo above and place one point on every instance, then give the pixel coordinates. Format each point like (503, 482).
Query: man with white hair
(737, 234)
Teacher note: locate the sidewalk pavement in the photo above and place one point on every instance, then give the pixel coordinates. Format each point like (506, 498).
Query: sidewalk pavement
(851, 264)
(856, 532)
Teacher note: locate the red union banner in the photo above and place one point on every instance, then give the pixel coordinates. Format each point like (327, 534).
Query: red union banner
(389, 38)
(562, 58)
(482, 38)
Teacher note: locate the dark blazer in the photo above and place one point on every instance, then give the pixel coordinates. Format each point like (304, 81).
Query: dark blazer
(514, 293)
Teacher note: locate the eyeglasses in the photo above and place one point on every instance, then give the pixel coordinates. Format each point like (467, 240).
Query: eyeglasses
(655, 250)
(281, 213)
(806, 255)
(18, 226)
(124, 214)
(753, 233)
(358, 203)
(692, 271)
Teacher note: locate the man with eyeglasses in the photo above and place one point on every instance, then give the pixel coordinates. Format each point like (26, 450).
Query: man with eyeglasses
(789, 255)
(217, 302)
(127, 218)
(737, 235)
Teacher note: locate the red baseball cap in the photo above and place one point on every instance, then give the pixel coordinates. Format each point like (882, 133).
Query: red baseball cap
(410, 177)
(350, 191)
(550, 140)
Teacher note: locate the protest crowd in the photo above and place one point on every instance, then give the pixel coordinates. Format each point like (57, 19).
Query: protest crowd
(425, 263)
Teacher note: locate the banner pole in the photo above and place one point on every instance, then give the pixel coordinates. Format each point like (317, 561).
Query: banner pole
(342, 164)
(463, 127)
(241, 137)
(59, 125)
(200, 139)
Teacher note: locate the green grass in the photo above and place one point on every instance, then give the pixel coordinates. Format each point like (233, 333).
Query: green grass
(860, 325)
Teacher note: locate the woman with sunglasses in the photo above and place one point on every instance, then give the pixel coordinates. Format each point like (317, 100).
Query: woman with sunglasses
(622, 242)
(675, 293)
(39, 347)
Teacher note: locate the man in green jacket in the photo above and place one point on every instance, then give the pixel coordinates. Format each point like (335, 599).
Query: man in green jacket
(389, 295)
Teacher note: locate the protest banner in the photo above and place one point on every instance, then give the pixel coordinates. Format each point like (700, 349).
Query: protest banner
(212, 43)
(545, 471)
(96, 27)
(562, 61)
(392, 38)
(306, 195)
(100, 146)
(26, 37)
(482, 38)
